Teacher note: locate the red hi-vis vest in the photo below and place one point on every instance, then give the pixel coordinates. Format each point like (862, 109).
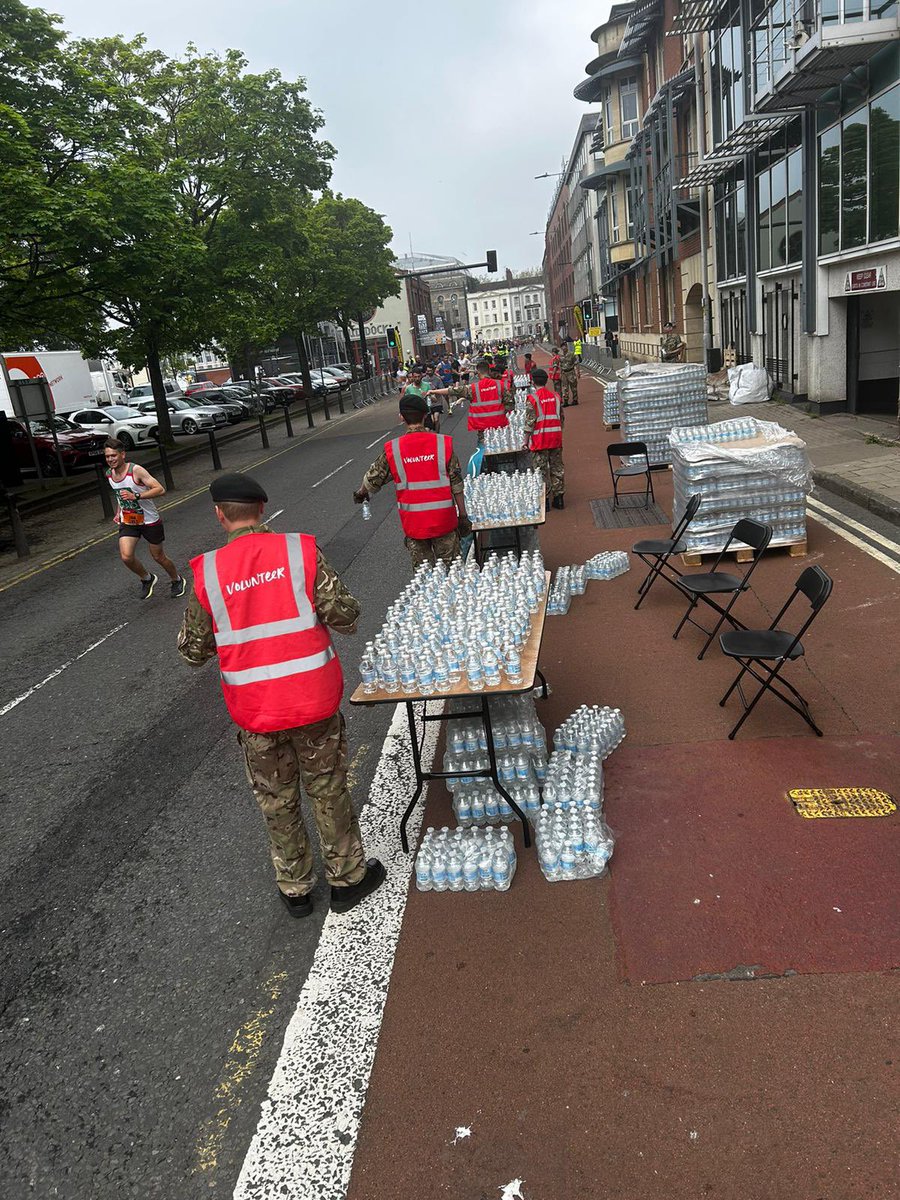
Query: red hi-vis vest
(486, 409)
(547, 433)
(278, 665)
(418, 463)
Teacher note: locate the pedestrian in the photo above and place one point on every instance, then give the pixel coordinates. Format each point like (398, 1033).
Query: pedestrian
(465, 368)
(445, 371)
(568, 368)
(671, 347)
(528, 365)
(264, 603)
(395, 366)
(544, 438)
(554, 372)
(138, 517)
(430, 490)
(576, 350)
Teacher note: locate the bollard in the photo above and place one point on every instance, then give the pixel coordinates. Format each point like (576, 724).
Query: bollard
(214, 450)
(105, 491)
(287, 422)
(325, 406)
(166, 468)
(309, 416)
(23, 550)
(263, 432)
(341, 399)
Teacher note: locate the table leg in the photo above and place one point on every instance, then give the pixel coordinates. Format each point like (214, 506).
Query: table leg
(540, 675)
(417, 764)
(518, 541)
(492, 756)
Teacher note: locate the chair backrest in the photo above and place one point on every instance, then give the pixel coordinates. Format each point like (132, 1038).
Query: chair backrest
(690, 512)
(753, 534)
(815, 585)
(624, 449)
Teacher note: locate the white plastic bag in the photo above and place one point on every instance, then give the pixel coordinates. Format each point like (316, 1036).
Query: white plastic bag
(748, 384)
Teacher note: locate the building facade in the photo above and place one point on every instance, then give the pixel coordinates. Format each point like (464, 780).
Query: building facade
(411, 318)
(509, 308)
(761, 189)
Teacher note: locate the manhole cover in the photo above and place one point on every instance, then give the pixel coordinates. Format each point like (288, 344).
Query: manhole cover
(841, 802)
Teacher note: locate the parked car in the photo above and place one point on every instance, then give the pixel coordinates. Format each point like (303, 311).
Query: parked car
(237, 404)
(214, 399)
(185, 417)
(202, 385)
(339, 374)
(77, 447)
(321, 383)
(121, 421)
(144, 390)
(276, 393)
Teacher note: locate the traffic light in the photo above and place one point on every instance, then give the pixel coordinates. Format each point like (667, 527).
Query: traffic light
(391, 338)
(491, 256)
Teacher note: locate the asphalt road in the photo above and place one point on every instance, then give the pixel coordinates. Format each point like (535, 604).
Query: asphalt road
(149, 969)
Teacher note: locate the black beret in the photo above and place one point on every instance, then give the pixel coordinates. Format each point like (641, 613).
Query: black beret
(238, 488)
(413, 404)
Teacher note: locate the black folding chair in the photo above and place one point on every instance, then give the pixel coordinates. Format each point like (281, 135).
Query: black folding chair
(706, 584)
(622, 450)
(656, 552)
(769, 649)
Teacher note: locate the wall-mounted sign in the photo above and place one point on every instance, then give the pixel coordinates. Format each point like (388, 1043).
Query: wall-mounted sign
(873, 280)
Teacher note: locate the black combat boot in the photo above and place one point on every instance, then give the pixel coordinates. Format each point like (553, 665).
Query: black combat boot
(345, 898)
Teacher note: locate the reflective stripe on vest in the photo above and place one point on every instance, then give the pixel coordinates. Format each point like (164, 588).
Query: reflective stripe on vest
(293, 666)
(226, 636)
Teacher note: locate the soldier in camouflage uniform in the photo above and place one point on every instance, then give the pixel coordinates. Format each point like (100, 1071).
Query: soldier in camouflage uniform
(313, 755)
(548, 462)
(422, 550)
(568, 366)
(671, 347)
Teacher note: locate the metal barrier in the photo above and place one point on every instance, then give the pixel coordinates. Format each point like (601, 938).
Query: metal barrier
(103, 488)
(23, 550)
(263, 432)
(287, 422)
(214, 451)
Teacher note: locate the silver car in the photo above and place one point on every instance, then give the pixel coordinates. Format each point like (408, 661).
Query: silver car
(185, 418)
(121, 421)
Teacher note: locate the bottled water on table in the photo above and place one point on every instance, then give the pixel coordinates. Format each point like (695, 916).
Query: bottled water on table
(458, 625)
(504, 499)
(469, 860)
(607, 565)
(512, 436)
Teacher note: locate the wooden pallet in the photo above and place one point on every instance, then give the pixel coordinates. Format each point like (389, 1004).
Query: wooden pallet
(694, 558)
(609, 427)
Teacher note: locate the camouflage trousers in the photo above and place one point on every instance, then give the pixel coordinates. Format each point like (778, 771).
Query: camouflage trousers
(550, 464)
(569, 386)
(316, 756)
(430, 550)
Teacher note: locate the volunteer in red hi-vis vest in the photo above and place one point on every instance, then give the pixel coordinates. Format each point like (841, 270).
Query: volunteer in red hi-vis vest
(429, 481)
(488, 405)
(265, 603)
(544, 437)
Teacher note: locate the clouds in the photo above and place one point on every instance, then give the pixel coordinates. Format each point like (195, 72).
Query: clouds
(441, 115)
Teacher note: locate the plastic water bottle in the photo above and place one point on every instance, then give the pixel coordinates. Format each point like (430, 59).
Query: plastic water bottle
(471, 869)
(501, 870)
(366, 510)
(454, 868)
(439, 878)
(423, 870)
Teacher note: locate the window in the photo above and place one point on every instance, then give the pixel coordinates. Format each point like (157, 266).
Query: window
(854, 178)
(628, 106)
(829, 190)
(779, 195)
(629, 212)
(613, 214)
(475, 319)
(884, 166)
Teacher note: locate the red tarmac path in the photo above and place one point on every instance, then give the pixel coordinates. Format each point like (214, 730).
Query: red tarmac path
(526, 1017)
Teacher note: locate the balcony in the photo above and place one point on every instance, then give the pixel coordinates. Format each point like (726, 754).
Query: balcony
(802, 48)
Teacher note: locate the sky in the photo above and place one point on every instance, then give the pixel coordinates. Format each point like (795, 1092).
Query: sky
(441, 114)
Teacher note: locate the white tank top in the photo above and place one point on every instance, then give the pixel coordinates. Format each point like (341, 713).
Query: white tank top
(127, 484)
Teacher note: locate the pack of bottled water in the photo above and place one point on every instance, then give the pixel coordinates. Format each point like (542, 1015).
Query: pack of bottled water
(607, 565)
(767, 480)
(611, 403)
(456, 626)
(504, 499)
(522, 382)
(654, 398)
(520, 747)
(512, 436)
(465, 860)
(590, 730)
(576, 844)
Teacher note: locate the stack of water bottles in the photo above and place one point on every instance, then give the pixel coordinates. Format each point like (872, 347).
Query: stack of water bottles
(521, 751)
(523, 383)
(500, 499)
(567, 582)
(456, 626)
(573, 841)
(607, 565)
(742, 468)
(510, 437)
(654, 398)
(611, 403)
(465, 860)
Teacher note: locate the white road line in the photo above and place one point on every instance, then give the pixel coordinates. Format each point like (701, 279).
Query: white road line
(58, 671)
(818, 506)
(272, 516)
(378, 439)
(334, 472)
(306, 1137)
(855, 541)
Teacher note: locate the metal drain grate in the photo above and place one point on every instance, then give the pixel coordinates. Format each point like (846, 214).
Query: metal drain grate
(841, 802)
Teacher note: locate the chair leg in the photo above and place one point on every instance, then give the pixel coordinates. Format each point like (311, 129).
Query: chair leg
(718, 625)
(650, 481)
(690, 609)
(767, 685)
(740, 676)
